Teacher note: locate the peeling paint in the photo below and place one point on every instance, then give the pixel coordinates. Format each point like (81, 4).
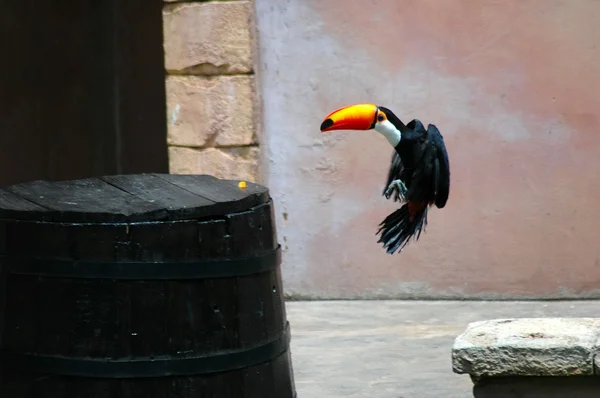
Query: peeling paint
(175, 114)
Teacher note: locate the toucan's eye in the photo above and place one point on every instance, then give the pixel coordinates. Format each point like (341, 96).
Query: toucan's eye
(381, 117)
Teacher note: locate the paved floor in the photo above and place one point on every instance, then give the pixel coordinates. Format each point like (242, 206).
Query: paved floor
(394, 349)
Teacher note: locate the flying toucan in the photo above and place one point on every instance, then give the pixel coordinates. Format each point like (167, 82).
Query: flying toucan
(419, 173)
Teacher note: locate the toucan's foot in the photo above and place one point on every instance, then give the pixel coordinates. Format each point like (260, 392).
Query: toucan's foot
(398, 187)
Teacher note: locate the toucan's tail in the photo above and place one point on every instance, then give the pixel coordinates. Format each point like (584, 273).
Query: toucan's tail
(397, 228)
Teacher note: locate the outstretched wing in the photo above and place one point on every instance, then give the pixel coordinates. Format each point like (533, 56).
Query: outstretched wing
(394, 173)
(441, 166)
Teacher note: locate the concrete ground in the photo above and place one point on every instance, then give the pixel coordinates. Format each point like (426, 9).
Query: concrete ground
(395, 349)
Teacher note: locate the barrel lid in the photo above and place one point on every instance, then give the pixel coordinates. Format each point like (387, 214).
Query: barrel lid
(129, 198)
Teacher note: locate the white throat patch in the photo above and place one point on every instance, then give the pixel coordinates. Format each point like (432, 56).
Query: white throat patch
(389, 131)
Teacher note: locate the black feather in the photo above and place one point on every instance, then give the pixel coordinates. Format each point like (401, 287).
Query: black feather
(396, 172)
(397, 229)
(442, 174)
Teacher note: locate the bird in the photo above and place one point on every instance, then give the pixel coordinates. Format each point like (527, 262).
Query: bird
(419, 172)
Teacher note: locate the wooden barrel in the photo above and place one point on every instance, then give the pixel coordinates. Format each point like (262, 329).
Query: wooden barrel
(145, 285)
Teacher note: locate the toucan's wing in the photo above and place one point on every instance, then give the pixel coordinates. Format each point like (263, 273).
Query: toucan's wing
(430, 180)
(441, 166)
(394, 173)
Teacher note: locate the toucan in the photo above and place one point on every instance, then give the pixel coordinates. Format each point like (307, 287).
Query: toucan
(419, 174)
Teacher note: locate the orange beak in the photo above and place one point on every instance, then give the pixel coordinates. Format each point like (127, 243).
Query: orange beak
(353, 117)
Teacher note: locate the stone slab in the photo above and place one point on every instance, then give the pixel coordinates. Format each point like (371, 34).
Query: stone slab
(527, 347)
(597, 360)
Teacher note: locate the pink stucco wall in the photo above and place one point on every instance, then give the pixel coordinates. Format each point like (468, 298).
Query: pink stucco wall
(514, 88)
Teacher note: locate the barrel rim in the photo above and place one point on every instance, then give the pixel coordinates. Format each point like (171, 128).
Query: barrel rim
(190, 218)
(77, 200)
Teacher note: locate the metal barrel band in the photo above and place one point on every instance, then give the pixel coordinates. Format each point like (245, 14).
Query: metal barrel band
(146, 368)
(144, 271)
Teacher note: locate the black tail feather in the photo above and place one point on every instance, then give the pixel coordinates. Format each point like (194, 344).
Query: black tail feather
(397, 229)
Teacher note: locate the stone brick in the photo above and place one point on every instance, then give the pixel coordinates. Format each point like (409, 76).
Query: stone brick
(230, 163)
(527, 347)
(215, 111)
(208, 38)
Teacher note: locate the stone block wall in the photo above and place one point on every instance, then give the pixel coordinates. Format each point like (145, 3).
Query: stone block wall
(211, 103)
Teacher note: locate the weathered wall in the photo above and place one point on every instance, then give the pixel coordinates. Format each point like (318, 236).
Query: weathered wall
(211, 99)
(514, 88)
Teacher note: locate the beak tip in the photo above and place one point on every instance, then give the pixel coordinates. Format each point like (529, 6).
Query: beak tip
(327, 123)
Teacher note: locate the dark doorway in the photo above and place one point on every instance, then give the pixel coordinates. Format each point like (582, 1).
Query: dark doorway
(82, 89)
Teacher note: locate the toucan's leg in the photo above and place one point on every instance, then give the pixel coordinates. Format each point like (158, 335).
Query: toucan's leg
(399, 187)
